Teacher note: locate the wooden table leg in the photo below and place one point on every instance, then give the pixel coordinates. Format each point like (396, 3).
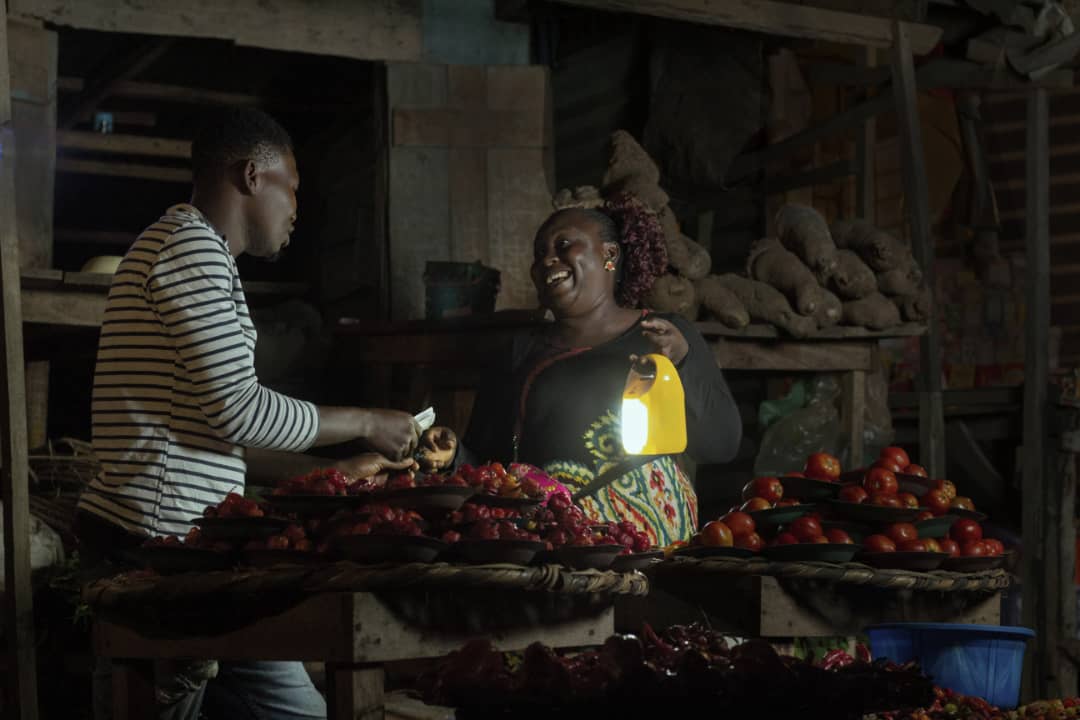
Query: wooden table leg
(853, 414)
(133, 690)
(354, 692)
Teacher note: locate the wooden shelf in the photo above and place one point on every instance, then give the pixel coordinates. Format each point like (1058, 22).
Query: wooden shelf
(769, 332)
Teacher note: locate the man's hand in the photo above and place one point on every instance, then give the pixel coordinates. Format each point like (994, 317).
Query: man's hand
(438, 446)
(390, 432)
(667, 338)
(369, 465)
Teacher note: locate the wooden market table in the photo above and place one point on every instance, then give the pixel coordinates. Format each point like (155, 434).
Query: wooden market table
(354, 618)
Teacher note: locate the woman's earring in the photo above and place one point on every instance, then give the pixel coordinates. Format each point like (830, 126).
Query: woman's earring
(609, 265)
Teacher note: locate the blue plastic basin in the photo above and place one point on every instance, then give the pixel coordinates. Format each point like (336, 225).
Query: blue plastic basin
(981, 660)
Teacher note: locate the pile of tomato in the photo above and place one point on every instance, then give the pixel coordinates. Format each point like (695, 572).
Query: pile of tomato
(948, 704)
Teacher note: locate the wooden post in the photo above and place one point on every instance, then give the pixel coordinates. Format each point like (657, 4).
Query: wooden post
(21, 675)
(866, 188)
(931, 410)
(1038, 575)
(354, 692)
(853, 414)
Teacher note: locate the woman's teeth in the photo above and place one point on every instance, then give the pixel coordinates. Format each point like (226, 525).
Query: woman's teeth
(557, 277)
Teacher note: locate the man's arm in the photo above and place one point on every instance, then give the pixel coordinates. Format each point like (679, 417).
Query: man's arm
(268, 468)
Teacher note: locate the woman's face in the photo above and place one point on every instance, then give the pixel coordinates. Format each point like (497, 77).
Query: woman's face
(568, 264)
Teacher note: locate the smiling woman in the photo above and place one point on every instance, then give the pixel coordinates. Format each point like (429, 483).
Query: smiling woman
(557, 401)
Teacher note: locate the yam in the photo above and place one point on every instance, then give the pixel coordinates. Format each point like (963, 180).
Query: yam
(915, 308)
(875, 311)
(673, 294)
(648, 193)
(689, 259)
(721, 302)
(629, 160)
(771, 263)
(903, 280)
(852, 279)
(668, 223)
(877, 248)
(829, 308)
(767, 304)
(585, 196)
(804, 231)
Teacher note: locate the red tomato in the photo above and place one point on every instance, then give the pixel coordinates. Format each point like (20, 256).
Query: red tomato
(995, 546)
(908, 500)
(764, 487)
(820, 540)
(878, 543)
(936, 501)
(788, 502)
(853, 494)
(962, 503)
(965, 530)
(805, 529)
(716, 533)
(754, 504)
(885, 500)
(932, 545)
(946, 487)
(924, 515)
(916, 470)
(740, 523)
(786, 538)
(795, 474)
(950, 546)
(896, 454)
(886, 464)
(751, 542)
(912, 546)
(901, 532)
(838, 536)
(880, 480)
(976, 548)
(822, 466)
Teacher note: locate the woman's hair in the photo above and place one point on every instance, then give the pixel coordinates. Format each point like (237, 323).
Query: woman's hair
(623, 219)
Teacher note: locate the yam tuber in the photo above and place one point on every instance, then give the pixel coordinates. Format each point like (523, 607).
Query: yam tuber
(721, 302)
(829, 308)
(875, 311)
(877, 248)
(688, 258)
(852, 279)
(668, 223)
(767, 304)
(673, 294)
(771, 263)
(648, 193)
(915, 308)
(585, 196)
(804, 231)
(903, 280)
(629, 160)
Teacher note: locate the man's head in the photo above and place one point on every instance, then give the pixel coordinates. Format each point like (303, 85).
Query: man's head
(244, 160)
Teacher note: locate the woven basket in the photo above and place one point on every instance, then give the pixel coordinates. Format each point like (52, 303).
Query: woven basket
(63, 472)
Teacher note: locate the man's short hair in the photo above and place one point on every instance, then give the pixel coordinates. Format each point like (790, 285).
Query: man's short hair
(234, 135)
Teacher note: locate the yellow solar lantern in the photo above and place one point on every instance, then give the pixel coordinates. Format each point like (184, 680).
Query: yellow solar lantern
(653, 408)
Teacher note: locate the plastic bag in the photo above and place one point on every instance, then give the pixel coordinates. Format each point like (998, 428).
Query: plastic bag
(814, 428)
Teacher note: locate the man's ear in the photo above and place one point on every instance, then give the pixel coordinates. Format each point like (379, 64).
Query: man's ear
(250, 180)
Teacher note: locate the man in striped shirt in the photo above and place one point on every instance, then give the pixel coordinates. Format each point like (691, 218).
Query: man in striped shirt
(179, 415)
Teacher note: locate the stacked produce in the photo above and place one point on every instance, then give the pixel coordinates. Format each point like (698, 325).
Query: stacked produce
(685, 668)
(949, 705)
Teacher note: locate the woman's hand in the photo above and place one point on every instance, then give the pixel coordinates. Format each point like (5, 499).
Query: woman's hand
(666, 338)
(438, 447)
(370, 465)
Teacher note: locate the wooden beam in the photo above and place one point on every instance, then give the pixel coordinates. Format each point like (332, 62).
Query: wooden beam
(125, 117)
(168, 93)
(123, 144)
(865, 156)
(74, 308)
(123, 68)
(776, 18)
(20, 677)
(373, 30)
(931, 413)
(121, 169)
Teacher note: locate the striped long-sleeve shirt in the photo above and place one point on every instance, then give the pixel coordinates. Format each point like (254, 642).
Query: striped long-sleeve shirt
(176, 399)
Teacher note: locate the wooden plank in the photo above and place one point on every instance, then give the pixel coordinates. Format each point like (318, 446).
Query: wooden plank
(466, 87)
(37, 403)
(776, 18)
(20, 680)
(931, 415)
(83, 308)
(114, 70)
(710, 328)
(377, 30)
(169, 93)
(438, 127)
(732, 354)
(123, 144)
(865, 155)
(355, 692)
(1036, 573)
(34, 120)
(853, 414)
(124, 169)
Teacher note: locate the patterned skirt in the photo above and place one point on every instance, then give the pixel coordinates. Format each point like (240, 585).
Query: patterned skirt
(656, 496)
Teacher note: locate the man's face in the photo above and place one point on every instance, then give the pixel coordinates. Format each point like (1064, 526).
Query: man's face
(273, 207)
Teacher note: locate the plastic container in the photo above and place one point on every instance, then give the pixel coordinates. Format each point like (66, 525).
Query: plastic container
(981, 660)
(455, 289)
